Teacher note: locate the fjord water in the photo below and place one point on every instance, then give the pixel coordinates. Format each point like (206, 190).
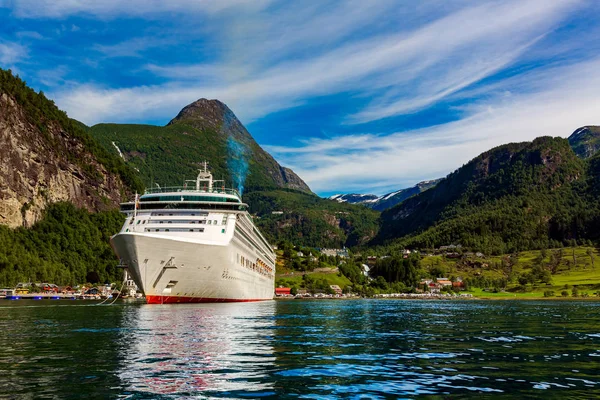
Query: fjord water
(303, 349)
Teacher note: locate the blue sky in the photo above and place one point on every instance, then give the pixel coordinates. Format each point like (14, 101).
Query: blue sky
(355, 96)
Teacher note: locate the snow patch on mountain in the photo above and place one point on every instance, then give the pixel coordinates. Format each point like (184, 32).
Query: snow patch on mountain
(387, 200)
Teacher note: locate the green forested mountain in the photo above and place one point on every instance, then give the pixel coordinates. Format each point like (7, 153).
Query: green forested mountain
(69, 245)
(59, 190)
(514, 197)
(309, 220)
(208, 130)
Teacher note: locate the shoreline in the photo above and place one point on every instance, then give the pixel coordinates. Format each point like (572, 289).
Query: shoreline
(517, 298)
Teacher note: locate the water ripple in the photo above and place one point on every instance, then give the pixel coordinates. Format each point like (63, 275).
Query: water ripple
(301, 349)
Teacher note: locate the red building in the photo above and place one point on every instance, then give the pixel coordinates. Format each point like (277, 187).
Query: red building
(283, 291)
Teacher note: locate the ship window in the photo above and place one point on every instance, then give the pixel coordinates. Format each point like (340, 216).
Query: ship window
(144, 221)
(131, 221)
(191, 230)
(222, 230)
(215, 222)
(209, 222)
(126, 230)
(166, 230)
(169, 222)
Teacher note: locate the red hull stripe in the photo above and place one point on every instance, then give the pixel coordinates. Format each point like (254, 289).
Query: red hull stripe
(178, 299)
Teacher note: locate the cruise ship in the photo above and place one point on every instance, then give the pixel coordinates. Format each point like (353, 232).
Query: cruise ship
(194, 244)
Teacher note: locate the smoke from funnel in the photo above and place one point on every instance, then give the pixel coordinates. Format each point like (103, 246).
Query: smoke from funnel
(237, 162)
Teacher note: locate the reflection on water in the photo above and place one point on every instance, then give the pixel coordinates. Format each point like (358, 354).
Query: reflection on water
(301, 349)
(217, 349)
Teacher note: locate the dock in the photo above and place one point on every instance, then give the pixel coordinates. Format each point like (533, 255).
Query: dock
(52, 296)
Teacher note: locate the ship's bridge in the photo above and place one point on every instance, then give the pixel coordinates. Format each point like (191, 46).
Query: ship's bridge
(201, 193)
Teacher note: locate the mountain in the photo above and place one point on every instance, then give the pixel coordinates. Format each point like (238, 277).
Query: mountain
(209, 130)
(514, 197)
(386, 201)
(308, 220)
(204, 130)
(585, 141)
(46, 158)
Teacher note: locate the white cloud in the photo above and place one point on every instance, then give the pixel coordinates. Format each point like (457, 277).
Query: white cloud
(565, 99)
(30, 35)
(271, 56)
(404, 71)
(53, 77)
(112, 8)
(131, 47)
(11, 53)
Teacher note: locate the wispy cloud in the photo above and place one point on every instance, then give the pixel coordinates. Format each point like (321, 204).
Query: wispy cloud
(131, 47)
(495, 68)
(11, 53)
(115, 8)
(402, 72)
(30, 35)
(564, 100)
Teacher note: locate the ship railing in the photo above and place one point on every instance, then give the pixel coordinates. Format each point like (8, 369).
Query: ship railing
(191, 189)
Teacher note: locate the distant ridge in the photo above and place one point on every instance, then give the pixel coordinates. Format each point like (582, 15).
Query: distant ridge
(585, 141)
(386, 201)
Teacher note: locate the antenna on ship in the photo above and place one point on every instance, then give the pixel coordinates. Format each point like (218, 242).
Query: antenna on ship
(204, 176)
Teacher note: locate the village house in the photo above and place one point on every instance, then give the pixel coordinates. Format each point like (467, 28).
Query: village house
(458, 284)
(444, 282)
(336, 289)
(343, 253)
(283, 291)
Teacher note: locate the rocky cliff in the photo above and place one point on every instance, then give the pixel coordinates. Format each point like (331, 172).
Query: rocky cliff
(43, 162)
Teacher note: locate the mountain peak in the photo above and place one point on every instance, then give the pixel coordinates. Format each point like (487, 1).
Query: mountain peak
(585, 141)
(214, 117)
(204, 114)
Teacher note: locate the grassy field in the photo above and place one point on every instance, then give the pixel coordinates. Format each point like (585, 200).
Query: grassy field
(296, 279)
(579, 266)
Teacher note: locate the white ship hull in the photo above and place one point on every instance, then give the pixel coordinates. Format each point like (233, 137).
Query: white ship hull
(176, 270)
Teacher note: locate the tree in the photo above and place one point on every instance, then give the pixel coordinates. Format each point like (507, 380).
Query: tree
(590, 253)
